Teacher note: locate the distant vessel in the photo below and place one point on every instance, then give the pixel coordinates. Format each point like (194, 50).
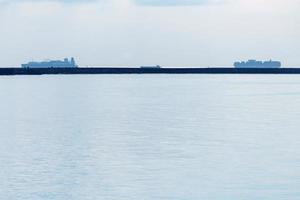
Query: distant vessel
(257, 64)
(66, 63)
(151, 67)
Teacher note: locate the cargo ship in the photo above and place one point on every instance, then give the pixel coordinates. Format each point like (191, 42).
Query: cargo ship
(66, 63)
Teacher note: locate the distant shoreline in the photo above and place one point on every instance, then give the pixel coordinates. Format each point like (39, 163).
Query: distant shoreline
(127, 70)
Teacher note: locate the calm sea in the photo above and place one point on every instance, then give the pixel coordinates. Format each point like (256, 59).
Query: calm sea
(150, 137)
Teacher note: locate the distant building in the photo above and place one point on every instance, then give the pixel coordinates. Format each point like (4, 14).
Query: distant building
(66, 63)
(257, 64)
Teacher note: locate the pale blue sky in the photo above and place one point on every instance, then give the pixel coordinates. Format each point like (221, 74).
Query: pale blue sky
(147, 32)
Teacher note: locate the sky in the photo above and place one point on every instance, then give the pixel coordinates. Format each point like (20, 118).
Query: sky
(150, 32)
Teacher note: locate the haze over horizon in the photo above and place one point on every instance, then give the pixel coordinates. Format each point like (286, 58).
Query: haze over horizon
(149, 32)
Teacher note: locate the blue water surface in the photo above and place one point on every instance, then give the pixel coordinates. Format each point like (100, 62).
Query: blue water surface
(150, 137)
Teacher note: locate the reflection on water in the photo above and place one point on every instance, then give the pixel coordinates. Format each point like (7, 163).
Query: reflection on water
(134, 137)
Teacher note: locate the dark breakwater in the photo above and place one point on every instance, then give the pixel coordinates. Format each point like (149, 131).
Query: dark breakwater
(113, 70)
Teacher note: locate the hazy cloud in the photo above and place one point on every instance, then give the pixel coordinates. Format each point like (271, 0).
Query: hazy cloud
(144, 32)
(139, 2)
(62, 1)
(174, 2)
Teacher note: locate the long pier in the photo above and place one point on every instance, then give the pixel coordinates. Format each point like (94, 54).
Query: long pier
(121, 70)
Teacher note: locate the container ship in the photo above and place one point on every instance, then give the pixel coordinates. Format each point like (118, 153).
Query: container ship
(257, 64)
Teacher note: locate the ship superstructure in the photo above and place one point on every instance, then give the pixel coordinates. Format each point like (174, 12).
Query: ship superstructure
(66, 63)
(257, 64)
